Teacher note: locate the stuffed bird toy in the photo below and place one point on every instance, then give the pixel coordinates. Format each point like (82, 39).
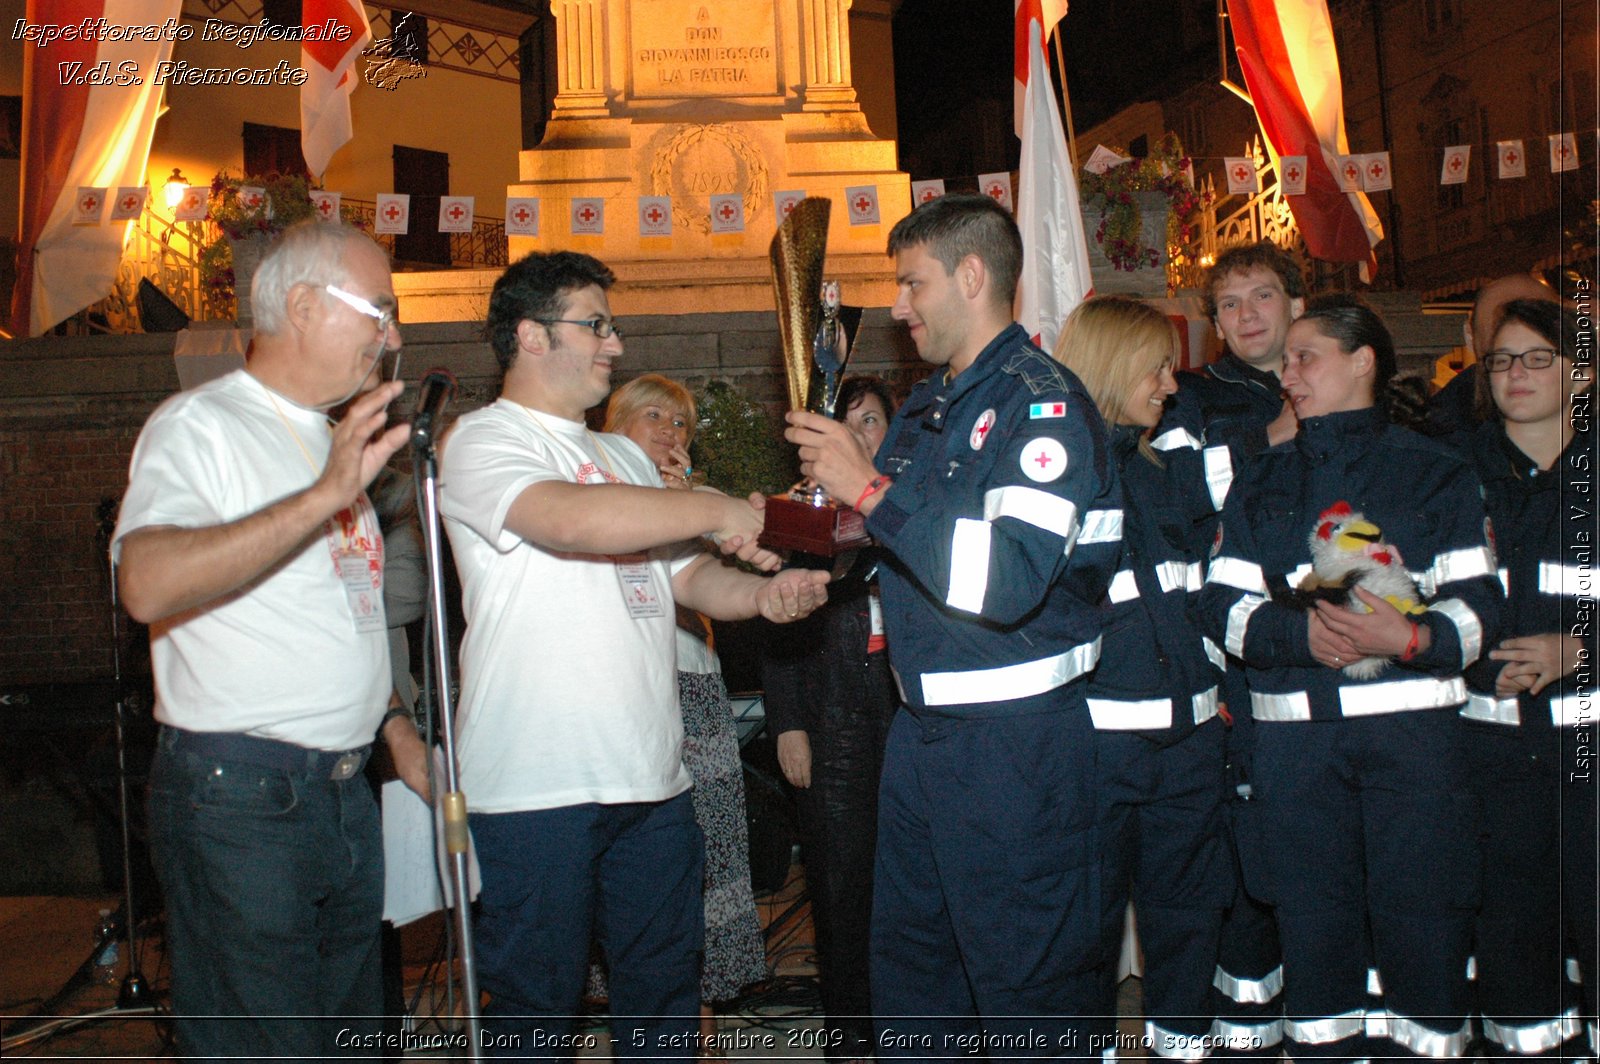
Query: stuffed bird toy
(1348, 551)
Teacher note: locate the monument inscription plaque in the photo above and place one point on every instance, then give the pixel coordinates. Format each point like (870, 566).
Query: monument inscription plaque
(703, 48)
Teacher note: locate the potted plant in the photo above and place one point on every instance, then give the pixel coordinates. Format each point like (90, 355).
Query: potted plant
(1144, 206)
(246, 224)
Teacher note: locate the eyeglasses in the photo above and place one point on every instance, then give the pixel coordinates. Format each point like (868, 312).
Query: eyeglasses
(604, 328)
(1532, 358)
(386, 319)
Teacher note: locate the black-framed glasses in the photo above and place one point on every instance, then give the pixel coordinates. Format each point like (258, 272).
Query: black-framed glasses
(1532, 358)
(604, 328)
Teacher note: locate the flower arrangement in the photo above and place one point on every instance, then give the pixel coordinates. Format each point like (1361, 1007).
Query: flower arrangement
(1166, 170)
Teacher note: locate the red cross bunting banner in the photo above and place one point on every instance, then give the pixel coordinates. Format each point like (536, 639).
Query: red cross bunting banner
(393, 214)
(1103, 159)
(194, 204)
(997, 187)
(1457, 161)
(1291, 68)
(253, 198)
(331, 77)
(1292, 175)
(455, 214)
(522, 216)
(89, 207)
(1241, 174)
(785, 201)
(1563, 152)
(1513, 161)
(926, 191)
(325, 204)
(655, 215)
(862, 201)
(128, 203)
(588, 216)
(1349, 174)
(727, 213)
(1375, 173)
(76, 134)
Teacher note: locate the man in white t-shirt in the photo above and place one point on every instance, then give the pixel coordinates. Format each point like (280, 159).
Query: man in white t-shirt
(572, 560)
(247, 544)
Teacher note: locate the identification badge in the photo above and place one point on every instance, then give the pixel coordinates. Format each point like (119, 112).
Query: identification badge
(875, 611)
(366, 599)
(639, 592)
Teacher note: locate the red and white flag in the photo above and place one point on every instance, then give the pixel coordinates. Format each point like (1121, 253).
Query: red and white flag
(655, 215)
(89, 207)
(455, 214)
(727, 213)
(997, 187)
(1513, 161)
(1375, 173)
(862, 201)
(331, 77)
(193, 206)
(77, 135)
(588, 216)
(522, 215)
(1292, 175)
(1241, 173)
(1290, 66)
(393, 213)
(1350, 167)
(1563, 152)
(1457, 160)
(1047, 13)
(128, 203)
(1055, 254)
(325, 204)
(785, 201)
(926, 191)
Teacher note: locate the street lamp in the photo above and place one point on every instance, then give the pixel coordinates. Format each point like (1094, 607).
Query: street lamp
(175, 187)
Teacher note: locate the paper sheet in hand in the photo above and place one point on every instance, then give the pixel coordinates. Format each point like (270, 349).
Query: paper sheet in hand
(414, 861)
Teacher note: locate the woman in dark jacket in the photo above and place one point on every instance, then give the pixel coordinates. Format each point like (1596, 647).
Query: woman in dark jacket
(829, 700)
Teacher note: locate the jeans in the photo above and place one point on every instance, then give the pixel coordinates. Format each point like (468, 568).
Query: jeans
(274, 891)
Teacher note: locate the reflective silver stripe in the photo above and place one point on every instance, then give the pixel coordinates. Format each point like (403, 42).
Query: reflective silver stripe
(1396, 696)
(1492, 710)
(1237, 573)
(1377, 1023)
(969, 565)
(1297, 574)
(1472, 968)
(1173, 439)
(1462, 565)
(1535, 1037)
(1374, 984)
(1568, 580)
(1239, 622)
(1505, 580)
(1174, 1046)
(1219, 473)
(1008, 681)
(1574, 973)
(1032, 506)
(1569, 711)
(1332, 1029)
(1226, 1035)
(1102, 526)
(1123, 587)
(1426, 1042)
(1468, 627)
(1173, 575)
(1249, 991)
(1214, 652)
(1426, 585)
(1204, 705)
(1291, 706)
(1112, 714)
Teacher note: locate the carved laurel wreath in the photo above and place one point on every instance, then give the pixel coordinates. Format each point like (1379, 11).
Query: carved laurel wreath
(697, 217)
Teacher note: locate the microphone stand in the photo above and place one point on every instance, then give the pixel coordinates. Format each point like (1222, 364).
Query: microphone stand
(426, 470)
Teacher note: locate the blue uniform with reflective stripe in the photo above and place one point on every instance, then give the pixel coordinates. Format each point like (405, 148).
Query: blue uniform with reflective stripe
(1001, 532)
(1360, 786)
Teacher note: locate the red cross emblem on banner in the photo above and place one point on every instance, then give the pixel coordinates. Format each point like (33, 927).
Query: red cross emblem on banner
(1351, 173)
(1240, 173)
(1375, 170)
(252, 200)
(726, 210)
(129, 202)
(996, 190)
(1293, 173)
(325, 208)
(929, 194)
(1511, 156)
(455, 212)
(586, 214)
(653, 215)
(391, 212)
(90, 203)
(1562, 151)
(1456, 163)
(522, 215)
(191, 201)
(863, 204)
(786, 206)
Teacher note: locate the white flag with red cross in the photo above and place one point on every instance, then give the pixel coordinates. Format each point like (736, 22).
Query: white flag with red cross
(455, 214)
(1563, 152)
(192, 208)
(1513, 161)
(997, 187)
(588, 216)
(253, 198)
(325, 205)
(330, 77)
(926, 191)
(128, 203)
(1292, 175)
(1457, 160)
(862, 201)
(1347, 171)
(89, 207)
(1241, 174)
(785, 201)
(393, 213)
(522, 215)
(655, 215)
(1375, 173)
(727, 213)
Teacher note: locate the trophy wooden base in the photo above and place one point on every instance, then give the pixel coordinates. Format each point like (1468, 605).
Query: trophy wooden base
(803, 522)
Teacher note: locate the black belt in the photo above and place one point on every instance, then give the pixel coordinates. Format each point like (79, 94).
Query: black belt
(266, 753)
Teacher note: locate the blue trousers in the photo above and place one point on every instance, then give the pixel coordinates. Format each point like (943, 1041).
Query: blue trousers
(631, 875)
(986, 899)
(273, 880)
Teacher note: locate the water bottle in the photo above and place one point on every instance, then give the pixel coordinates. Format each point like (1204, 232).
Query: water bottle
(105, 962)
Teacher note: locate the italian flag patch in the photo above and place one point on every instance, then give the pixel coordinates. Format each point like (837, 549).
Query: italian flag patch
(1042, 410)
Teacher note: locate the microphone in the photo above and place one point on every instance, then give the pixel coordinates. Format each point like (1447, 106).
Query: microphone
(438, 385)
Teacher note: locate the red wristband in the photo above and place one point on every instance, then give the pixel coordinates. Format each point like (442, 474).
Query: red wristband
(1411, 648)
(875, 485)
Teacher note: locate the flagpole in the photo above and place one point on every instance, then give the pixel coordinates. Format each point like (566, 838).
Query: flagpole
(1066, 101)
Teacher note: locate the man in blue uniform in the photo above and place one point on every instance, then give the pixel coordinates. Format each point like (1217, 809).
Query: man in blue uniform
(994, 502)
